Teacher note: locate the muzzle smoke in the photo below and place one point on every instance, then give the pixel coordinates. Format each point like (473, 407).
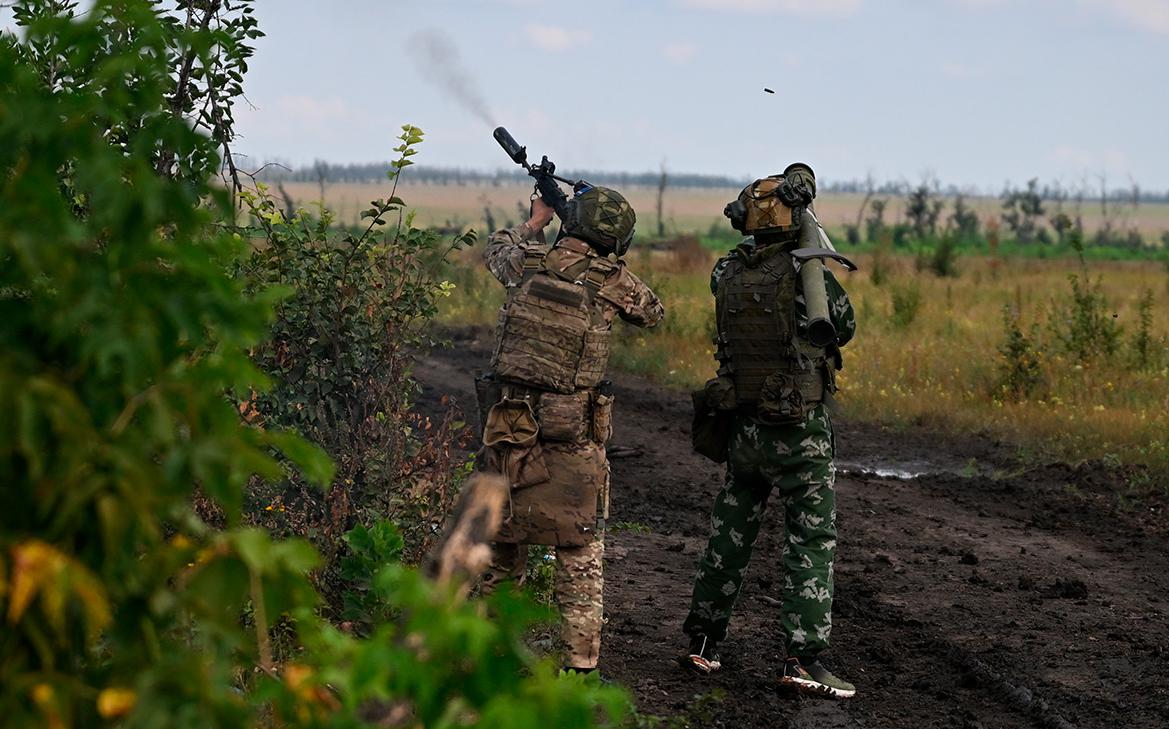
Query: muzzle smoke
(438, 61)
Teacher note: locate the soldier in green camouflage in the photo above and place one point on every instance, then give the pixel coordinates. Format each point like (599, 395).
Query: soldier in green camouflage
(782, 444)
(545, 410)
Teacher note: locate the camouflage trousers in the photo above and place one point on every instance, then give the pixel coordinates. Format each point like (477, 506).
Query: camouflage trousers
(578, 590)
(796, 461)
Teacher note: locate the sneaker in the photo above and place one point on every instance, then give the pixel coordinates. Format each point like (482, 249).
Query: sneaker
(703, 655)
(812, 678)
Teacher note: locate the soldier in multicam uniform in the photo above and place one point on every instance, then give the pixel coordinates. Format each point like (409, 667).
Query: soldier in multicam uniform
(772, 387)
(546, 411)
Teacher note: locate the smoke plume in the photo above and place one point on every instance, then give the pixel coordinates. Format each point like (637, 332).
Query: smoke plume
(438, 61)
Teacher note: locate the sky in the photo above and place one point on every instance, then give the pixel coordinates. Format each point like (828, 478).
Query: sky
(974, 92)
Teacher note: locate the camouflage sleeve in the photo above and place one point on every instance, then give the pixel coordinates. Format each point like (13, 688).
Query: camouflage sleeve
(504, 254)
(840, 309)
(717, 273)
(636, 302)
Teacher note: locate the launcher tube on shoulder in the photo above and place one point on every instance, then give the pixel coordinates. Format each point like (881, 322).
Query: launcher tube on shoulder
(544, 173)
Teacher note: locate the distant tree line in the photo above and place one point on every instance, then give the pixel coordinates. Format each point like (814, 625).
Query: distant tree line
(327, 172)
(322, 171)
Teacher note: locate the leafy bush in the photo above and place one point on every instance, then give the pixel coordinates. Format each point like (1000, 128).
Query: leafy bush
(121, 333)
(875, 223)
(1023, 212)
(340, 355)
(964, 221)
(906, 298)
(1084, 324)
(944, 259)
(1020, 367)
(1146, 351)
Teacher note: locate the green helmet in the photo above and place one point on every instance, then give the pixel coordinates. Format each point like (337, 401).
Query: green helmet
(602, 218)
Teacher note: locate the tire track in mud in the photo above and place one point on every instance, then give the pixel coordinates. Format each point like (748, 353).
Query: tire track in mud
(1025, 601)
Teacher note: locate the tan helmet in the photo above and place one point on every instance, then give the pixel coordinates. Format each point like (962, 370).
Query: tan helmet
(773, 204)
(603, 218)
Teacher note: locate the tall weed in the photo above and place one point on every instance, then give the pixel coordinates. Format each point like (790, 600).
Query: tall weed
(906, 301)
(1084, 323)
(1145, 349)
(1020, 366)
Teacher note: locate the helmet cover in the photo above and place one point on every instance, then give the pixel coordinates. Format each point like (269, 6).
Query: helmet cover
(603, 218)
(763, 207)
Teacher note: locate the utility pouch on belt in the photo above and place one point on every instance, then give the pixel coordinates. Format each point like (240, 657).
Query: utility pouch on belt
(603, 413)
(710, 432)
(510, 435)
(788, 397)
(564, 417)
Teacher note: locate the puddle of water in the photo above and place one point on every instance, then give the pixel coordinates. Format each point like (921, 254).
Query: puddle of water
(854, 469)
(900, 471)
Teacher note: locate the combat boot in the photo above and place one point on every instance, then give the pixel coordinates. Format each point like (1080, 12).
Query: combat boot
(809, 676)
(703, 655)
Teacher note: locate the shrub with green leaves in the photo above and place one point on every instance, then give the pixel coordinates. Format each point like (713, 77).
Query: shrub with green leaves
(360, 305)
(1145, 349)
(1084, 324)
(906, 300)
(123, 354)
(1020, 366)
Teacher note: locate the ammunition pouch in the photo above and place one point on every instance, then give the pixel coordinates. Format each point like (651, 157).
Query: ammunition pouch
(710, 431)
(602, 420)
(788, 397)
(564, 417)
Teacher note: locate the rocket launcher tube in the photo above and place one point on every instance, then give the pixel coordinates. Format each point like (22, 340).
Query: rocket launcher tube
(821, 332)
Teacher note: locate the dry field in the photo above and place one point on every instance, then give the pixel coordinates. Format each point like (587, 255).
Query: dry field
(685, 209)
(944, 367)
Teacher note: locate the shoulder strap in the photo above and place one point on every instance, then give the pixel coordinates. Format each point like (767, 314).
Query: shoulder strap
(597, 273)
(533, 260)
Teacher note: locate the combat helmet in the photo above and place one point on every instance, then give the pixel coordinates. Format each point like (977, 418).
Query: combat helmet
(774, 205)
(602, 218)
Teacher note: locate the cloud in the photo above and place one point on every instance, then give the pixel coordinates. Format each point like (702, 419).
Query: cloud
(679, 52)
(1108, 159)
(979, 4)
(1149, 15)
(960, 70)
(832, 8)
(554, 38)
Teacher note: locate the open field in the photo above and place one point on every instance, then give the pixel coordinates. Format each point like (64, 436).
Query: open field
(943, 367)
(685, 209)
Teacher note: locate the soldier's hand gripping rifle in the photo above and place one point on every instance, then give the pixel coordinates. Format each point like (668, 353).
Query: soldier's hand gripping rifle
(544, 173)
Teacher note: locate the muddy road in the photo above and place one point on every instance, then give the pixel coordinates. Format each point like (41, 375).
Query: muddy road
(971, 591)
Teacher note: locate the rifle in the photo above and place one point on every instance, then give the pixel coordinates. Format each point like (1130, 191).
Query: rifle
(547, 180)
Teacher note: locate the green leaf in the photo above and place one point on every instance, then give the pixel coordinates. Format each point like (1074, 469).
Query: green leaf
(312, 460)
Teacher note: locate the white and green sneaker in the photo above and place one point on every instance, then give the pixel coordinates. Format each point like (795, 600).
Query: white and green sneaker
(810, 677)
(703, 655)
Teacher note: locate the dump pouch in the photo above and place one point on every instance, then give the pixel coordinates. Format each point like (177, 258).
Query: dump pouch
(511, 439)
(523, 466)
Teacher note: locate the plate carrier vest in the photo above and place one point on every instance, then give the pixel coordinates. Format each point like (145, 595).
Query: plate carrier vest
(775, 373)
(550, 334)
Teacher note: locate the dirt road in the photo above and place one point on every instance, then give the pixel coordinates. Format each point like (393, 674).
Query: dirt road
(971, 592)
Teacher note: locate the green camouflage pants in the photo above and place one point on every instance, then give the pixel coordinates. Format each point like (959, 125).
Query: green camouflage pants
(795, 460)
